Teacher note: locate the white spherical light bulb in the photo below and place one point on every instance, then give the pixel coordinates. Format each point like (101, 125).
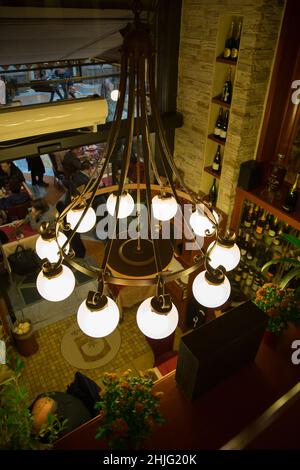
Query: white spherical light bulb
(87, 222)
(200, 223)
(126, 205)
(58, 287)
(164, 208)
(98, 323)
(208, 294)
(49, 248)
(227, 256)
(156, 325)
(115, 95)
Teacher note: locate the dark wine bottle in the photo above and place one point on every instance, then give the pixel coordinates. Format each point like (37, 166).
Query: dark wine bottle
(277, 174)
(216, 166)
(213, 193)
(218, 125)
(273, 227)
(227, 89)
(248, 217)
(229, 42)
(223, 132)
(261, 222)
(291, 197)
(236, 42)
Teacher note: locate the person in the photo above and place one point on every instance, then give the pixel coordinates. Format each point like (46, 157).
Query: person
(37, 169)
(2, 91)
(55, 86)
(68, 84)
(40, 212)
(15, 197)
(9, 171)
(81, 177)
(79, 180)
(64, 405)
(71, 162)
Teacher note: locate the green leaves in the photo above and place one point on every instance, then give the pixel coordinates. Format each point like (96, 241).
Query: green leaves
(129, 409)
(291, 239)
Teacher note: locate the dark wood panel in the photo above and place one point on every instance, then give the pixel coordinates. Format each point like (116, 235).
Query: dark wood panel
(219, 414)
(280, 114)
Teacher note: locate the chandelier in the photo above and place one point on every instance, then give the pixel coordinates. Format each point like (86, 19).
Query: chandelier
(142, 259)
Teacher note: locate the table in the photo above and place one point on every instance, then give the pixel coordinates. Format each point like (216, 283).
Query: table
(28, 240)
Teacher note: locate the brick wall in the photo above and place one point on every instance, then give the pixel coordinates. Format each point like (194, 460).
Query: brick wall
(199, 30)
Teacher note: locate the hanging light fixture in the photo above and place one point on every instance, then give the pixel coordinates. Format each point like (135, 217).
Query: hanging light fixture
(142, 259)
(224, 252)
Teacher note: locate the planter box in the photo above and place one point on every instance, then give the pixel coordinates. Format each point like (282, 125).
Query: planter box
(217, 349)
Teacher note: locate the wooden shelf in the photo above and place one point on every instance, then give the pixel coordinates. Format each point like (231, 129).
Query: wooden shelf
(217, 100)
(225, 61)
(216, 139)
(209, 170)
(275, 207)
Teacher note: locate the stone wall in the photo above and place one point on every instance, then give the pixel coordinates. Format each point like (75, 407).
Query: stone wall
(199, 30)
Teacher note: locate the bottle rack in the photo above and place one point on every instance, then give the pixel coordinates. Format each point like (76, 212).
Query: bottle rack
(248, 273)
(220, 75)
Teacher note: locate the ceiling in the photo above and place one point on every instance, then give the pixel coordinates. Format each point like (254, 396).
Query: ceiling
(33, 34)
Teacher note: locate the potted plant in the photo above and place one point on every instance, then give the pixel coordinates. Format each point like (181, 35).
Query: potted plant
(294, 272)
(16, 421)
(282, 304)
(129, 408)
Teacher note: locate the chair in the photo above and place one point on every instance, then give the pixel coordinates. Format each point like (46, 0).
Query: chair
(18, 212)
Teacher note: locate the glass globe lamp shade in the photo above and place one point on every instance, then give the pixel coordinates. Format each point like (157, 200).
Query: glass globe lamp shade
(156, 325)
(164, 208)
(208, 294)
(227, 256)
(126, 205)
(48, 248)
(114, 96)
(58, 287)
(98, 323)
(201, 225)
(87, 222)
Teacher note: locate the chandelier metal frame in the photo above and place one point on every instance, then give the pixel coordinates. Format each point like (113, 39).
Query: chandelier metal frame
(137, 77)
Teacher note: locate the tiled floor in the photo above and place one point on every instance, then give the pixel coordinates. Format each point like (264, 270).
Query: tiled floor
(47, 370)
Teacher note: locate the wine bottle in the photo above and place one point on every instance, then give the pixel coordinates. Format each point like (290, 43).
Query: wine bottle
(218, 125)
(277, 174)
(223, 132)
(274, 226)
(261, 222)
(216, 166)
(291, 197)
(236, 42)
(244, 244)
(229, 42)
(227, 89)
(248, 217)
(213, 193)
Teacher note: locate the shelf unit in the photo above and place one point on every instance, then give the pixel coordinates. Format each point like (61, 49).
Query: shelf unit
(209, 170)
(219, 77)
(275, 207)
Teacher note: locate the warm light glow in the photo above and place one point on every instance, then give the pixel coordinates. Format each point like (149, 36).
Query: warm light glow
(210, 295)
(126, 205)
(87, 222)
(229, 257)
(156, 325)
(56, 288)
(201, 225)
(115, 95)
(98, 323)
(49, 248)
(164, 208)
